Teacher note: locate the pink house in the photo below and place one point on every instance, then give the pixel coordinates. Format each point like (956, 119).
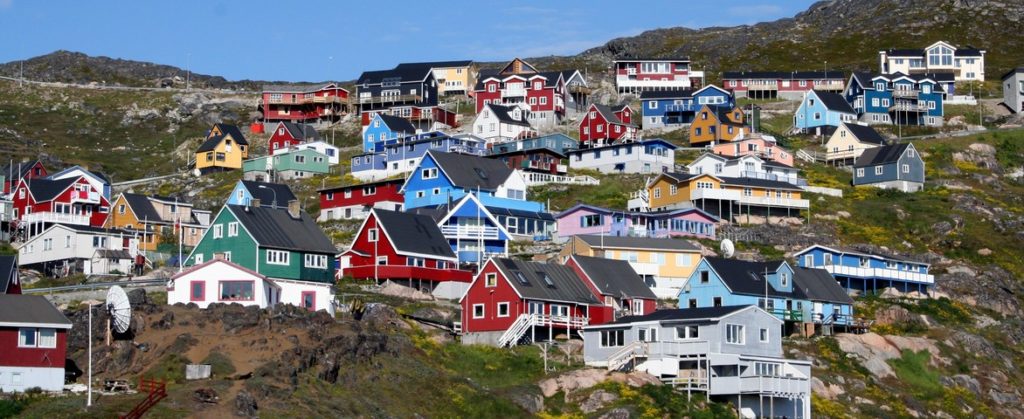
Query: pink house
(763, 146)
(588, 219)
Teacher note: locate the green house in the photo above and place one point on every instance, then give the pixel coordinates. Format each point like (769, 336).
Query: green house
(292, 164)
(275, 242)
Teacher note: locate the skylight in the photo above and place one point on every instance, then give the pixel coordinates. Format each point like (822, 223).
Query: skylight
(521, 278)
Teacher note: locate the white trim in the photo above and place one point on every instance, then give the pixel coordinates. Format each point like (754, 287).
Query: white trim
(36, 325)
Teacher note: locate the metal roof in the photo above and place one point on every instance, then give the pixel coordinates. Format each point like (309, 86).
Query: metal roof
(277, 229)
(414, 233)
(31, 310)
(614, 278)
(545, 281)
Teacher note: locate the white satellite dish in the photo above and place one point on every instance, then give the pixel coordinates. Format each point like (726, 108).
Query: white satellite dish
(119, 309)
(727, 248)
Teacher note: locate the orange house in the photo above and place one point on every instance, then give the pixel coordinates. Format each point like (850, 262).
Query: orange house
(717, 124)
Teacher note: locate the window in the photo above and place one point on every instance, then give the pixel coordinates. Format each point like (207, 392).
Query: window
(197, 291)
(734, 334)
(478, 311)
(199, 258)
(673, 189)
(372, 235)
(591, 220)
(47, 338)
(67, 241)
(315, 261)
(878, 170)
(503, 310)
(687, 332)
(860, 172)
(370, 190)
(47, 244)
(697, 132)
(430, 173)
(613, 338)
(278, 257)
(27, 338)
(232, 229)
(817, 116)
(683, 261)
(906, 168)
(785, 280)
(491, 280)
(705, 277)
(218, 231)
(716, 302)
(237, 290)
(657, 192)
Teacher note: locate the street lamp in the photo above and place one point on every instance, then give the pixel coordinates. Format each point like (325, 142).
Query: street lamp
(272, 191)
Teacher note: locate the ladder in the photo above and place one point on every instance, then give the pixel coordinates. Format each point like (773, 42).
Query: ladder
(157, 390)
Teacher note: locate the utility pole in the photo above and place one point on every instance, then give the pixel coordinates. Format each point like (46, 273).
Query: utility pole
(188, 71)
(21, 79)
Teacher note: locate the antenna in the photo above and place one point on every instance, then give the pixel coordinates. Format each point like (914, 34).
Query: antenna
(119, 310)
(728, 249)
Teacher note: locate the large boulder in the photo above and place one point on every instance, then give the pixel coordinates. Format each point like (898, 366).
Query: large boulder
(596, 401)
(572, 381)
(874, 350)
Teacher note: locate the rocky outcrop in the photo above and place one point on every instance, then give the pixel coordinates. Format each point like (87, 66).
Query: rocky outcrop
(575, 381)
(873, 350)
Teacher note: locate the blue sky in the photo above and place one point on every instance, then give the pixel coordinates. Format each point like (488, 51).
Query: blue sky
(336, 40)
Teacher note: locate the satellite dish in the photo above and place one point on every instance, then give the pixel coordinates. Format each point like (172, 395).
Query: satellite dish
(119, 309)
(727, 248)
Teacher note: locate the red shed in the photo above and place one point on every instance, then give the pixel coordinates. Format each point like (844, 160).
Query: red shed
(33, 343)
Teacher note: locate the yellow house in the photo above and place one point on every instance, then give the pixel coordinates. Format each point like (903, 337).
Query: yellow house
(664, 264)
(717, 124)
(849, 141)
(224, 149)
(453, 77)
(678, 190)
(726, 197)
(154, 217)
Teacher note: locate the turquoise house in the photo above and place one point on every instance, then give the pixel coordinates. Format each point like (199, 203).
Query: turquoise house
(820, 113)
(293, 164)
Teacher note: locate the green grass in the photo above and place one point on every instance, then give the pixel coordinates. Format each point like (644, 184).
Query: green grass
(170, 368)
(220, 364)
(913, 371)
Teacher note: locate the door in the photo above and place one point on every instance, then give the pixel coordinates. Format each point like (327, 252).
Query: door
(536, 307)
(818, 311)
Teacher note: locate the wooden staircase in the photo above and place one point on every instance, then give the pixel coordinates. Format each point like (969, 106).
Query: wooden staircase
(155, 391)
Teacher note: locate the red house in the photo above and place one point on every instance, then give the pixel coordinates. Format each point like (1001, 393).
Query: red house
(14, 172)
(511, 300)
(9, 282)
(33, 343)
(405, 248)
(355, 201)
(38, 202)
(289, 134)
(616, 284)
(546, 93)
(603, 125)
(303, 103)
(782, 84)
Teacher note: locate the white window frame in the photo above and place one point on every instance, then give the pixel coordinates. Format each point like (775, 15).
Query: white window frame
(482, 309)
(278, 257)
(233, 229)
(735, 334)
(218, 231)
(504, 305)
(490, 280)
(315, 261)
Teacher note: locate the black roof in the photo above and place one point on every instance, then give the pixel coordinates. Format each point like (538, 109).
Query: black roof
(684, 314)
(226, 130)
(398, 124)
(881, 155)
(967, 52)
(782, 75)
(141, 206)
(90, 229)
(15, 171)
(414, 233)
(528, 278)
(743, 277)
(1012, 72)
(759, 183)
(396, 181)
(614, 278)
(504, 114)
(637, 242)
(275, 228)
(266, 192)
(297, 88)
(437, 64)
(609, 114)
(304, 132)
(527, 152)
(30, 309)
(905, 52)
(496, 211)
(8, 270)
(865, 134)
(45, 189)
(469, 172)
(818, 285)
(834, 102)
(411, 72)
(667, 94)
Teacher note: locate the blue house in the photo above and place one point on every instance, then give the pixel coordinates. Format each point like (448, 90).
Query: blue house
(821, 113)
(560, 143)
(269, 194)
(441, 178)
(897, 166)
(474, 234)
(399, 156)
(385, 128)
(866, 271)
(678, 106)
(798, 295)
(897, 98)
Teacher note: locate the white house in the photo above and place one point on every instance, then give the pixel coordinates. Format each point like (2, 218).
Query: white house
(65, 249)
(320, 146)
(966, 63)
(748, 166)
(500, 123)
(648, 156)
(1013, 90)
(220, 281)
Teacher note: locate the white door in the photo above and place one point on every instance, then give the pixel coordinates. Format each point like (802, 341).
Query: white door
(818, 308)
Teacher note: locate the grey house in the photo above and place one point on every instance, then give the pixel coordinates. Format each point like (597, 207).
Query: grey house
(897, 166)
(1013, 90)
(731, 354)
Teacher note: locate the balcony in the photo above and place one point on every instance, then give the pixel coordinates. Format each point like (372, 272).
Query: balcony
(85, 197)
(329, 99)
(389, 99)
(763, 201)
(720, 194)
(763, 86)
(536, 179)
(55, 217)
(469, 232)
(517, 91)
(908, 107)
(773, 177)
(880, 273)
(579, 89)
(408, 272)
(905, 93)
(678, 348)
(828, 86)
(769, 384)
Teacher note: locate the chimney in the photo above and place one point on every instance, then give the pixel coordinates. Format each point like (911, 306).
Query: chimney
(255, 202)
(293, 209)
